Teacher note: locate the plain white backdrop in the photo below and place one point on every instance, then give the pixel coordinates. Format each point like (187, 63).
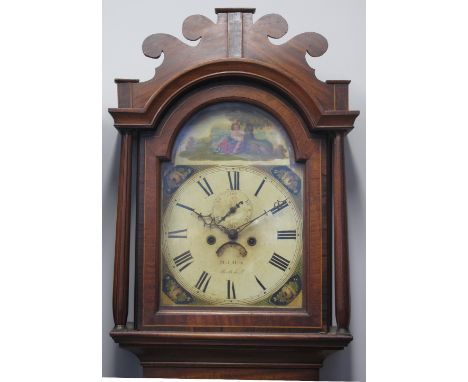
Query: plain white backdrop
(127, 23)
(51, 282)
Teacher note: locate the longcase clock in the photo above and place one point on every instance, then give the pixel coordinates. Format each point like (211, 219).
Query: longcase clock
(239, 167)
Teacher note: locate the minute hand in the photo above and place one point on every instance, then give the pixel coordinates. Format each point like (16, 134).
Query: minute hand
(277, 207)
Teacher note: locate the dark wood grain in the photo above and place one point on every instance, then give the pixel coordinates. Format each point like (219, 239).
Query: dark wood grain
(340, 93)
(342, 303)
(207, 370)
(122, 239)
(125, 91)
(234, 10)
(326, 231)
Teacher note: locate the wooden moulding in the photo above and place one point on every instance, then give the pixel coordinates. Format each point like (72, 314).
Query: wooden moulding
(342, 301)
(296, 356)
(124, 91)
(122, 239)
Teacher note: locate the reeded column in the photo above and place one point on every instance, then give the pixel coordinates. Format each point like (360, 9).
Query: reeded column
(342, 301)
(122, 237)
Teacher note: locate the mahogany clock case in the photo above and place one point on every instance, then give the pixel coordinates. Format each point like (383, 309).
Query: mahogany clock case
(213, 342)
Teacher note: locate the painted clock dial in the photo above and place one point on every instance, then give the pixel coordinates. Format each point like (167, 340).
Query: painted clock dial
(232, 224)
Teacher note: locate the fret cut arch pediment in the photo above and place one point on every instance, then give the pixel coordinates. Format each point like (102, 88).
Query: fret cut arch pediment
(234, 47)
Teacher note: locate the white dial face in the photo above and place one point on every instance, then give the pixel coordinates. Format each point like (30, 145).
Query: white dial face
(232, 235)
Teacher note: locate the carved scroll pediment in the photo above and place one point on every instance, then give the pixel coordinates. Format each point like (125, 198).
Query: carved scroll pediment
(275, 26)
(196, 27)
(234, 35)
(235, 44)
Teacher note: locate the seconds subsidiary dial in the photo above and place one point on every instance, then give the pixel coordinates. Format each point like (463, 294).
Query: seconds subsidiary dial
(232, 235)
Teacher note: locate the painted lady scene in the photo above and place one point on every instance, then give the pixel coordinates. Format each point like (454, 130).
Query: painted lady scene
(232, 132)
